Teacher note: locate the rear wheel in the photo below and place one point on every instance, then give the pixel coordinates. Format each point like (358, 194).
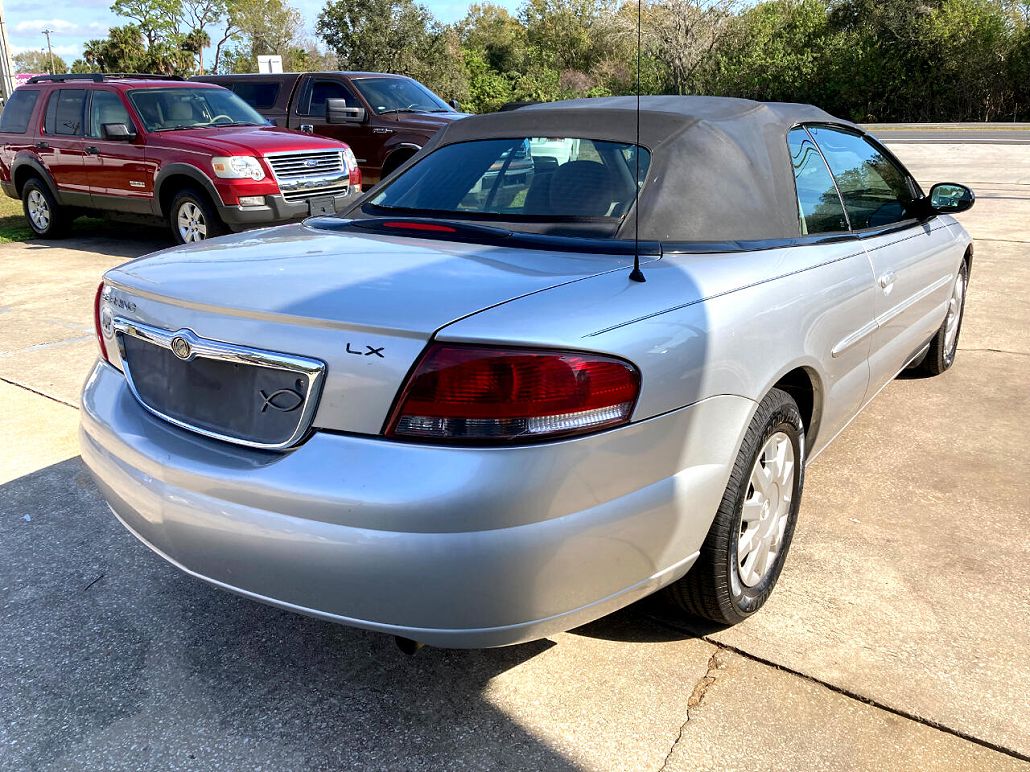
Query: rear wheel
(47, 218)
(745, 549)
(192, 218)
(944, 346)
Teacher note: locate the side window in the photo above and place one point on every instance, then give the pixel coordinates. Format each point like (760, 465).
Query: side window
(18, 111)
(106, 107)
(819, 206)
(876, 191)
(321, 90)
(260, 95)
(64, 112)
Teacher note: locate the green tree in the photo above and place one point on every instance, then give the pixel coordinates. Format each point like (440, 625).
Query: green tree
(568, 34)
(37, 61)
(261, 28)
(123, 50)
(495, 34)
(378, 35)
(155, 19)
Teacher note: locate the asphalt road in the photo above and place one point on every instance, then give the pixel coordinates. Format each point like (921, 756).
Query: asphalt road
(967, 134)
(896, 638)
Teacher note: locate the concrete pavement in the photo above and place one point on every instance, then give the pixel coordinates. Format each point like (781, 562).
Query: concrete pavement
(897, 636)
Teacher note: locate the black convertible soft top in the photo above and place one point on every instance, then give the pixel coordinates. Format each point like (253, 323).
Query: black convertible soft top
(720, 167)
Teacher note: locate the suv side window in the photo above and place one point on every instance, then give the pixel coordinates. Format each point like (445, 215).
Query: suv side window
(321, 90)
(876, 190)
(106, 107)
(18, 111)
(819, 206)
(64, 112)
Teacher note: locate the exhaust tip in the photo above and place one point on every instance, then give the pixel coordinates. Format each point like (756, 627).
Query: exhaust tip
(407, 645)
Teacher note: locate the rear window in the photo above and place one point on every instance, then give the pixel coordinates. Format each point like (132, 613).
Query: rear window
(260, 96)
(534, 178)
(18, 111)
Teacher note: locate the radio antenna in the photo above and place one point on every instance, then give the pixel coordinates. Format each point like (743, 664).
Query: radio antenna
(637, 274)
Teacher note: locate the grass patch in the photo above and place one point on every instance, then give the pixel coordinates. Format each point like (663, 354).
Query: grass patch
(13, 226)
(12, 221)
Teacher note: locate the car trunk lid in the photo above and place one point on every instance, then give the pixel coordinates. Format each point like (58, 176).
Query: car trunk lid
(361, 303)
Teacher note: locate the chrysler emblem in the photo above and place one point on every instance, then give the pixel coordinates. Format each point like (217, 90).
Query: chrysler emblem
(181, 347)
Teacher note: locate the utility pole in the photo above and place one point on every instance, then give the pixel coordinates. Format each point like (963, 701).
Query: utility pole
(50, 50)
(6, 77)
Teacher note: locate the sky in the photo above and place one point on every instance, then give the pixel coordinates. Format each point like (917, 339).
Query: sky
(83, 20)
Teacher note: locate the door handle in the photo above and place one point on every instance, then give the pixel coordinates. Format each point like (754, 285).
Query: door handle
(42, 145)
(93, 150)
(887, 281)
(307, 128)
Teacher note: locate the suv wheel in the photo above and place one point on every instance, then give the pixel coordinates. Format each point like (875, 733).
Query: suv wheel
(45, 216)
(192, 218)
(745, 549)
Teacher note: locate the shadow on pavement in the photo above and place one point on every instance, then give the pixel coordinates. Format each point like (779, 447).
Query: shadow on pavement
(651, 620)
(110, 657)
(109, 238)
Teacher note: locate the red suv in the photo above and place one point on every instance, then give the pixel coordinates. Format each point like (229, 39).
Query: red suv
(152, 148)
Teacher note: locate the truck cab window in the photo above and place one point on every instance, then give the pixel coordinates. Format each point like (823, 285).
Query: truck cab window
(322, 90)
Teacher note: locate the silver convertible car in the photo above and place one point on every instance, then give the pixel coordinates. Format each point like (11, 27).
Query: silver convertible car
(459, 415)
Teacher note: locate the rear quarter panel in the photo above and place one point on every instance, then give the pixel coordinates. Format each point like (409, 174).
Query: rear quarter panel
(708, 325)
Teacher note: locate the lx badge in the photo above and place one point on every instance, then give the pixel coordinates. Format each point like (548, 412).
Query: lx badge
(371, 350)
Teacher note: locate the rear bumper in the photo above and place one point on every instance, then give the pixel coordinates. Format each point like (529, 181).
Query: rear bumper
(276, 209)
(458, 547)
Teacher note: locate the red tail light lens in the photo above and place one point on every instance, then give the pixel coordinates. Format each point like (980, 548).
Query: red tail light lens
(99, 324)
(462, 392)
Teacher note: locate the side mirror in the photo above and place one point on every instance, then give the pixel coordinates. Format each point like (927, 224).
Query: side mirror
(336, 111)
(455, 104)
(950, 198)
(117, 131)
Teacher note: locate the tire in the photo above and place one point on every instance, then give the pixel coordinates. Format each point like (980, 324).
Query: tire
(720, 587)
(944, 346)
(192, 218)
(46, 218)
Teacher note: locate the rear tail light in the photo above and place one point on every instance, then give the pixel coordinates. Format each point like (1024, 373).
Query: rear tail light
(354, 170)
(471, 393)
(103, 321)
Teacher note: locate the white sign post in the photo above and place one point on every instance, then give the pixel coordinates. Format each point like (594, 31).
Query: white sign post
(268, 64)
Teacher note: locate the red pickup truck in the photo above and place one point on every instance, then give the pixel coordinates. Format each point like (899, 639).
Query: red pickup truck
(150, 148)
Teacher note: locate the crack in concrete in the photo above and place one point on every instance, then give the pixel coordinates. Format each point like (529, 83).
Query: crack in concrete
(697, 696)
(39, 393)
(996, 351)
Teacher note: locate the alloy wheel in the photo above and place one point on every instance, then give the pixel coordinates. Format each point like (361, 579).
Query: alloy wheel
(191, 223)
(39, 210)
(766, 509)
(951, 322)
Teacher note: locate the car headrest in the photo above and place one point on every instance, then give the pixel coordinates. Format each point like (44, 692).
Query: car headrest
(544, 164)
(582, 188)
(179, 110)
